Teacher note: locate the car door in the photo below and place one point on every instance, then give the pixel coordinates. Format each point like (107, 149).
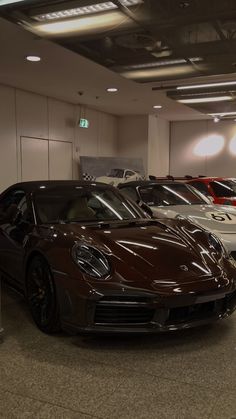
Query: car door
(16, 222)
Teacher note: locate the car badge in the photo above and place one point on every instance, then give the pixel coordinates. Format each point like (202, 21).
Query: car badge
(184, 268)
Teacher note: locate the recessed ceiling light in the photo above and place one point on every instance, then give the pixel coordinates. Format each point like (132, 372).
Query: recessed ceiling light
(206, 85)
(205, 99)
(5, 2)
(85, 10)
(112, 89)
(33, 58)
(222, 113)
(157, 106)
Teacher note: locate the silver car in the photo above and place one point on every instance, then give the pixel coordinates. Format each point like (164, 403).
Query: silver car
(168, 199)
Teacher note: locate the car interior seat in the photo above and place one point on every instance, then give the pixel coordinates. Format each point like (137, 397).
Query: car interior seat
(79, 209)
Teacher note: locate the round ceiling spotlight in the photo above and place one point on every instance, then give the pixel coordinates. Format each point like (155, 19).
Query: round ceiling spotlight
(112, 89)
(157, 106)
(33, 58)
(216, 119)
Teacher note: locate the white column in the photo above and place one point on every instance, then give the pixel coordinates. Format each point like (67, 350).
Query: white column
(158, 146)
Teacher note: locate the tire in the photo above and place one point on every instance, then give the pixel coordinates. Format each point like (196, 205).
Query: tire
(41, 296)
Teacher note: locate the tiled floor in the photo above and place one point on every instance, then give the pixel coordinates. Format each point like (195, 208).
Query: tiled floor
(183, 375)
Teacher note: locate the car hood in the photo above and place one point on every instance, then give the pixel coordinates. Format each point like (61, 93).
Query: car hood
(152, 252)
(217, 218)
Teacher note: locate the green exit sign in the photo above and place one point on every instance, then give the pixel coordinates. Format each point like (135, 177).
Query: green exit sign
(83, 123)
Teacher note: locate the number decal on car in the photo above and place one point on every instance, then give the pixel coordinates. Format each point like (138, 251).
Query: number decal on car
(222, 217)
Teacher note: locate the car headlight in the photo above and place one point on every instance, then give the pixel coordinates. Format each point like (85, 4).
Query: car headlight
(91, 260)
(217, 245)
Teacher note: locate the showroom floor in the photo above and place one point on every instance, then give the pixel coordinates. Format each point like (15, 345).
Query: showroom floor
(191, 374)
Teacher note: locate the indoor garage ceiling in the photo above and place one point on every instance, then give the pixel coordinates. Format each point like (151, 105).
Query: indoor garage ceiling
(149, 41)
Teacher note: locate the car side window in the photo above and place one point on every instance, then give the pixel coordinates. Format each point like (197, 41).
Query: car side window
(26, 214)
(130, 193)
(129, 173)
(9, 204)
(202, 187)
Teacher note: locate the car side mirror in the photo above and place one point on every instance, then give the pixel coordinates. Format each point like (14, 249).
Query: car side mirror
(146, 208)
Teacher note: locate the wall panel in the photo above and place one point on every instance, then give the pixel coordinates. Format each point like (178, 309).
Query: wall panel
(32, 115)
(8, 144)
(187, 135)
(133, 137)
(61, 120)
(34, 159)
(60, 160)
(25, 114)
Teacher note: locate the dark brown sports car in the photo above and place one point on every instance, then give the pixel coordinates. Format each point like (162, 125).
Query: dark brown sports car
(87, 259)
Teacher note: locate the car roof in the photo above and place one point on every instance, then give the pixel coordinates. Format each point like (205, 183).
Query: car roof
(136, 183)
(206, 179)
(32, 186)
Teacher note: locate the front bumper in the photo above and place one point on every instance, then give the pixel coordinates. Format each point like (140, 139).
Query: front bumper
(137, 311)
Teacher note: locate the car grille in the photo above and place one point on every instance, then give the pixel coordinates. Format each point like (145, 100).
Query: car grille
(123, 310)
(131, 311)
(193, 312)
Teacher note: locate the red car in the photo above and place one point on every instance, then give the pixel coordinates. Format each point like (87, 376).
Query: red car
(220, 190)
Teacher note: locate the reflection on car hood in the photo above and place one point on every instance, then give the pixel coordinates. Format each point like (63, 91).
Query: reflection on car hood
(152, 252)
(216, 218)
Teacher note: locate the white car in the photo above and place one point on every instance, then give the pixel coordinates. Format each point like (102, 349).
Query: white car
(117, 176)
(175, 200)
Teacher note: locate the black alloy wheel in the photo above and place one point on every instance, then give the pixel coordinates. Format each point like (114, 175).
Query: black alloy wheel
(41, 296)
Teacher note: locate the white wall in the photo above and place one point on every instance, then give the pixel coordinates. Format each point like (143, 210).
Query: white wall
(133, 137)
(100, 139)
(186, 136)
(25, 114)
(158, 146)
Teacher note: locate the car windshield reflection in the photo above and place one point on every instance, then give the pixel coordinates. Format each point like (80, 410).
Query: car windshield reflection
(88, 204)
(173, 194)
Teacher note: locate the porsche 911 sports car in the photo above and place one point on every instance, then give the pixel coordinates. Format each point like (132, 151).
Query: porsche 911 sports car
(89, 260)
(175, 199)
(117, 176)
(222, 191)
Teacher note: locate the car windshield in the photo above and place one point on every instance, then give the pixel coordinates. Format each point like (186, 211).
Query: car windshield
(116, 173)
(83, 204)
(171, 194)
(224, 188)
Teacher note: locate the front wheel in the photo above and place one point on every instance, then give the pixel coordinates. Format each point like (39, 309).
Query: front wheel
(41, 296)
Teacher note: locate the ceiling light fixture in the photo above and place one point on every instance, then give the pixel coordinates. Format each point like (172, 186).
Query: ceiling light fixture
(157, 106)
(205, 99)
(6, 2)
(216, 119)
(206, 85)
(33, 58)
(89, 24)
(85, 10)
(222, 114)
(162, 63)
(112, 89)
